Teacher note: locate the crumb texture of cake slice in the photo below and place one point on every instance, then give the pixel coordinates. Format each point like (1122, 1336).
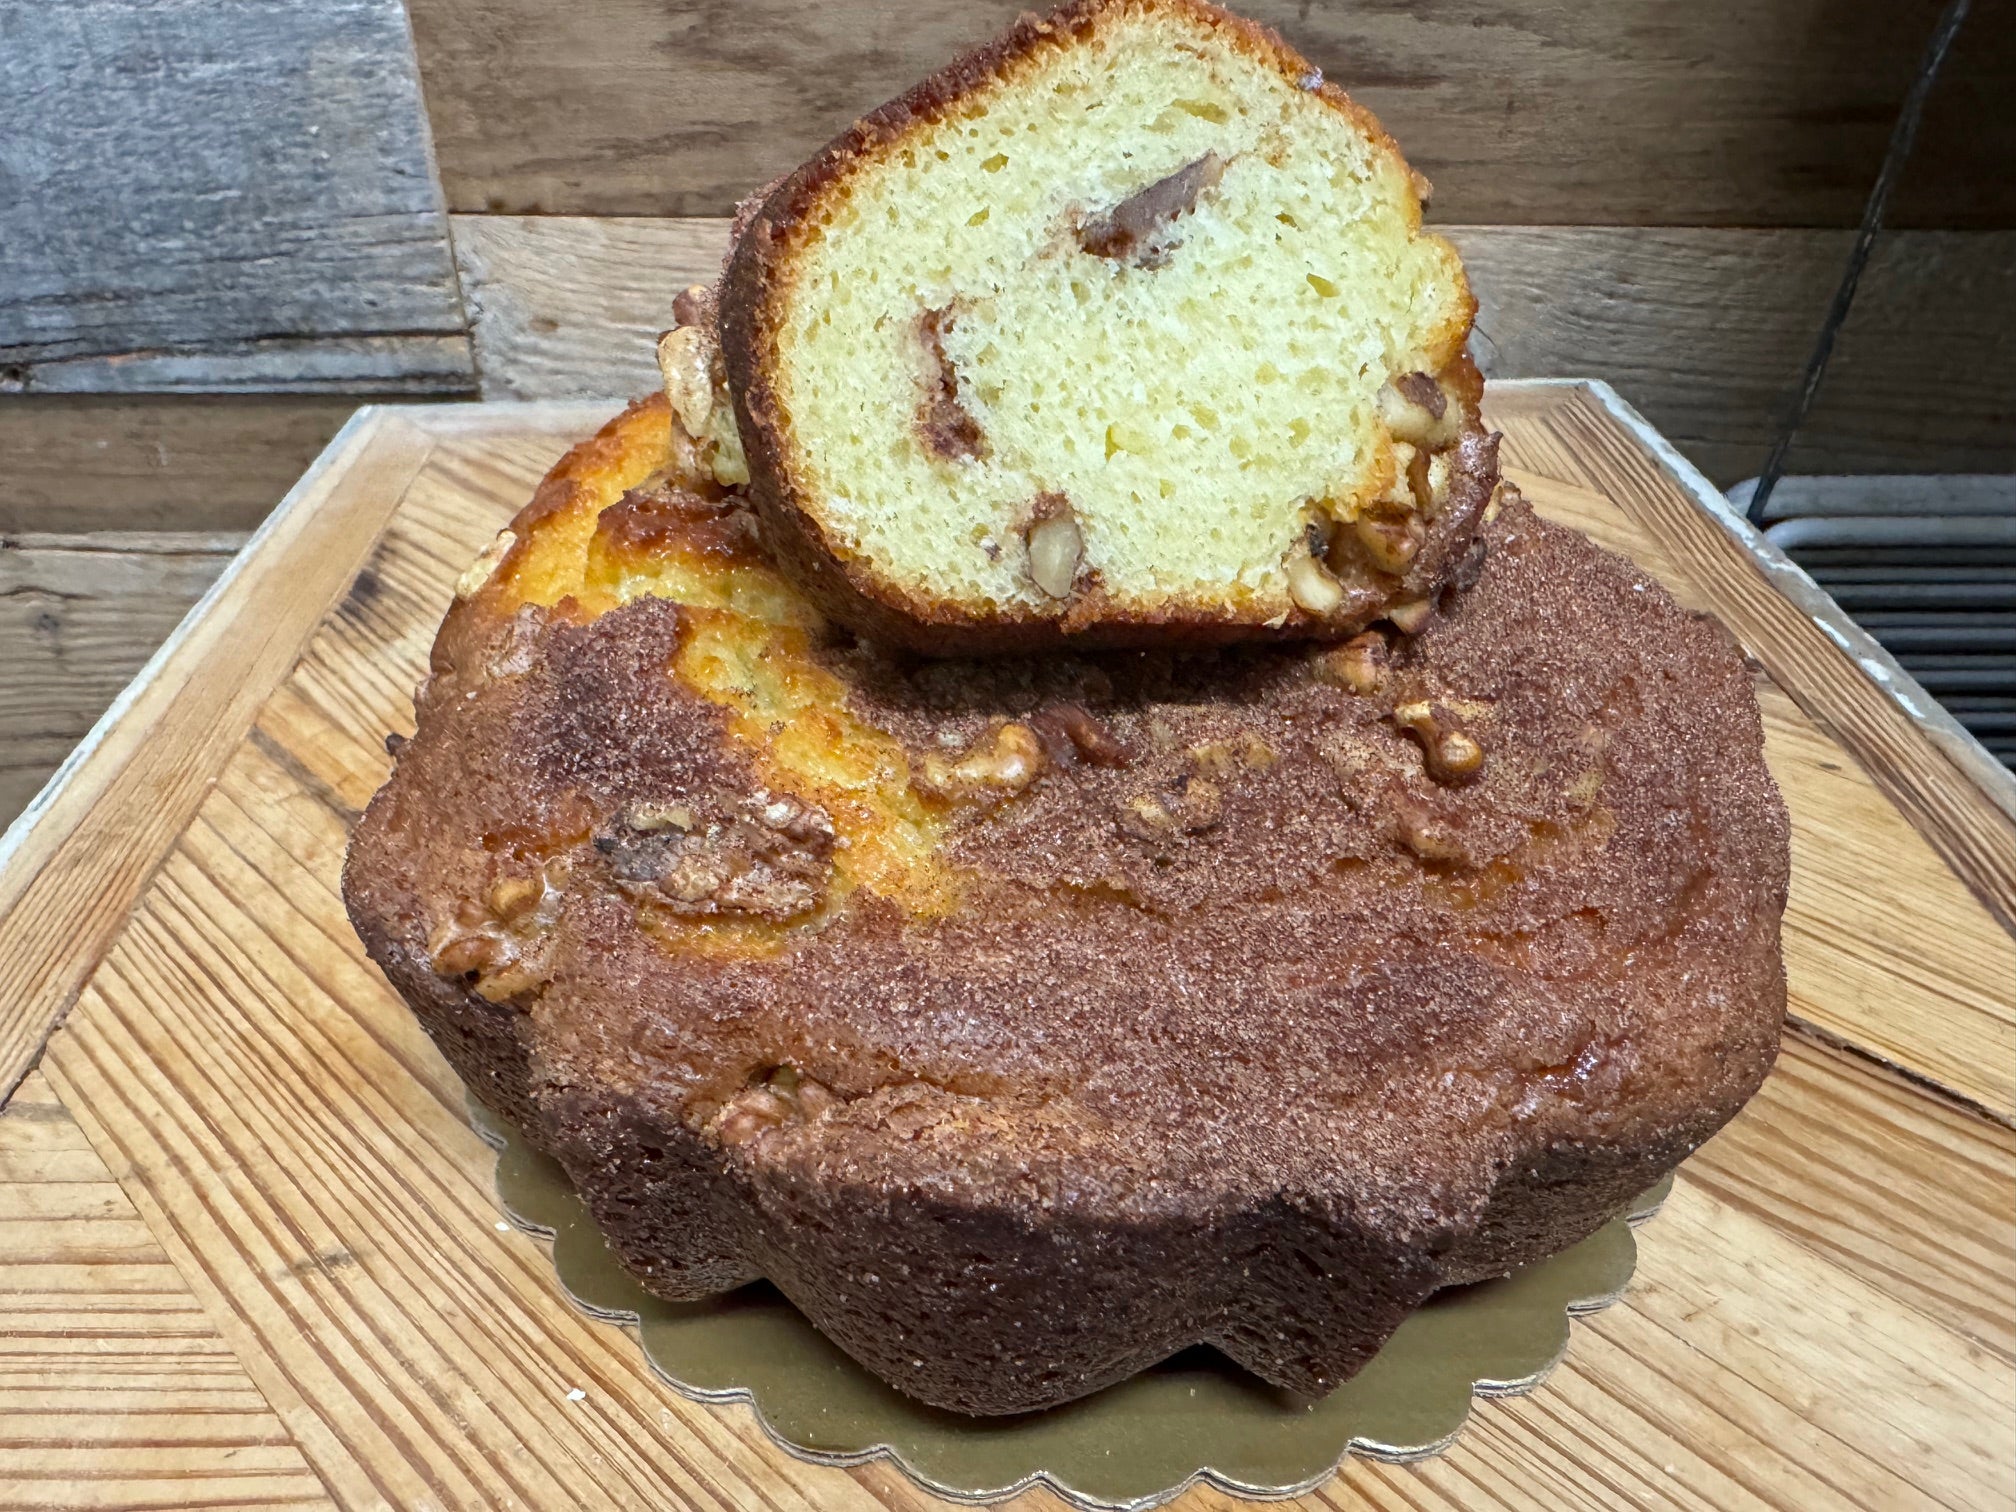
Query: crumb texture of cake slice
(1120, 330)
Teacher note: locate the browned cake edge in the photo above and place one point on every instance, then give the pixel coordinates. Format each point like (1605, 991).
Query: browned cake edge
(1302, 1298)
(847, 588)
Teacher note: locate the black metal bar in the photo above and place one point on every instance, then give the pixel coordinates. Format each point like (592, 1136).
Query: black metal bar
(1902, 135)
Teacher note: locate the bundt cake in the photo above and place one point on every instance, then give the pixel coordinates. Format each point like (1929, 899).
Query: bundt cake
(1122, 330)
(1026, 1020)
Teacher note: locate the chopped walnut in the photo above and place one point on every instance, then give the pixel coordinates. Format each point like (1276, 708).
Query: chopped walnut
(785, 1096)
(1001, 764)
(686, 363)
(1359, 664)
(503, 942)
(1417, 411)
(1071, 733)
(1424, 833)
(1312, 586)
(1427, 481)
(479, 572)
(771, 857)
(1388, 542)
(514, 897)
(1410, 617)
(1222, 758)
(693, 306)
(650, 817)
(1056, 549)
(1450, 753)
(1196, 804)
(947, 427)
(1132, 231)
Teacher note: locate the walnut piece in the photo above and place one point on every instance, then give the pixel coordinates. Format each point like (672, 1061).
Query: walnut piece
(1424, 833)
(1450, 753)
(771, 857)
(686, 363)
(1195, 805)
(504, 941)
(1129, 231)
(1410, 617)
(1417, 411)
(1359, 664)
(1056, 547)
(1312, 587)
(1071, 733)
(995, 768)
(1388, 542)
(1224, 758)
(785, 1096)
(948, 429)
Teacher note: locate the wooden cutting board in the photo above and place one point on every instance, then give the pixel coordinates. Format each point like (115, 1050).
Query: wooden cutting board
(251, 1253)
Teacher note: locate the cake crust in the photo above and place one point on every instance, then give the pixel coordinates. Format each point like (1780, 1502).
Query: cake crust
(850, 586)
(1187, 986)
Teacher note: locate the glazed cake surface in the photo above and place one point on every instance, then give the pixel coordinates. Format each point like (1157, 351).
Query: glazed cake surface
(1028, 1020)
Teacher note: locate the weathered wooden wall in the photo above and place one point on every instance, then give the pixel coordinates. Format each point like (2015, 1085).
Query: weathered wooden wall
(1528, 112)
(1705, 330)
(78, 614)
(1652, 193)
(195, 196)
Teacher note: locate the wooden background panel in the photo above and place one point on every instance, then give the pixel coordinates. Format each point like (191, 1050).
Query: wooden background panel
(195, 196)
(185, 462)
(78, 616)
(1722, 112)
(1705, 331)
(1923, 376)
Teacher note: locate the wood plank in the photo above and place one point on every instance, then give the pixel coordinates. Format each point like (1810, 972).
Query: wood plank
(72, 863)
(82, 462)
(568, 307)
(79, 614)
(221, 198)
(1705, 331)
(1887, 391)
(1524, 112)
(112, 1379)
(1825, 1315)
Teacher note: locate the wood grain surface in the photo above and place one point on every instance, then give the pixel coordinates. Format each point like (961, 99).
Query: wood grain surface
(72, 865)
(198, 196)
(78, 616)
(1720, 113)
(1824, 1316)
(1706, 331)
(71, 463)
(117, 1393)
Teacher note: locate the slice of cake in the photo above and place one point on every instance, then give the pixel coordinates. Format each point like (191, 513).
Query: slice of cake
(1120, 331)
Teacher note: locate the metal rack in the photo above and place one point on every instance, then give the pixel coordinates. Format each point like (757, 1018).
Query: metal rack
(1927, 565)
